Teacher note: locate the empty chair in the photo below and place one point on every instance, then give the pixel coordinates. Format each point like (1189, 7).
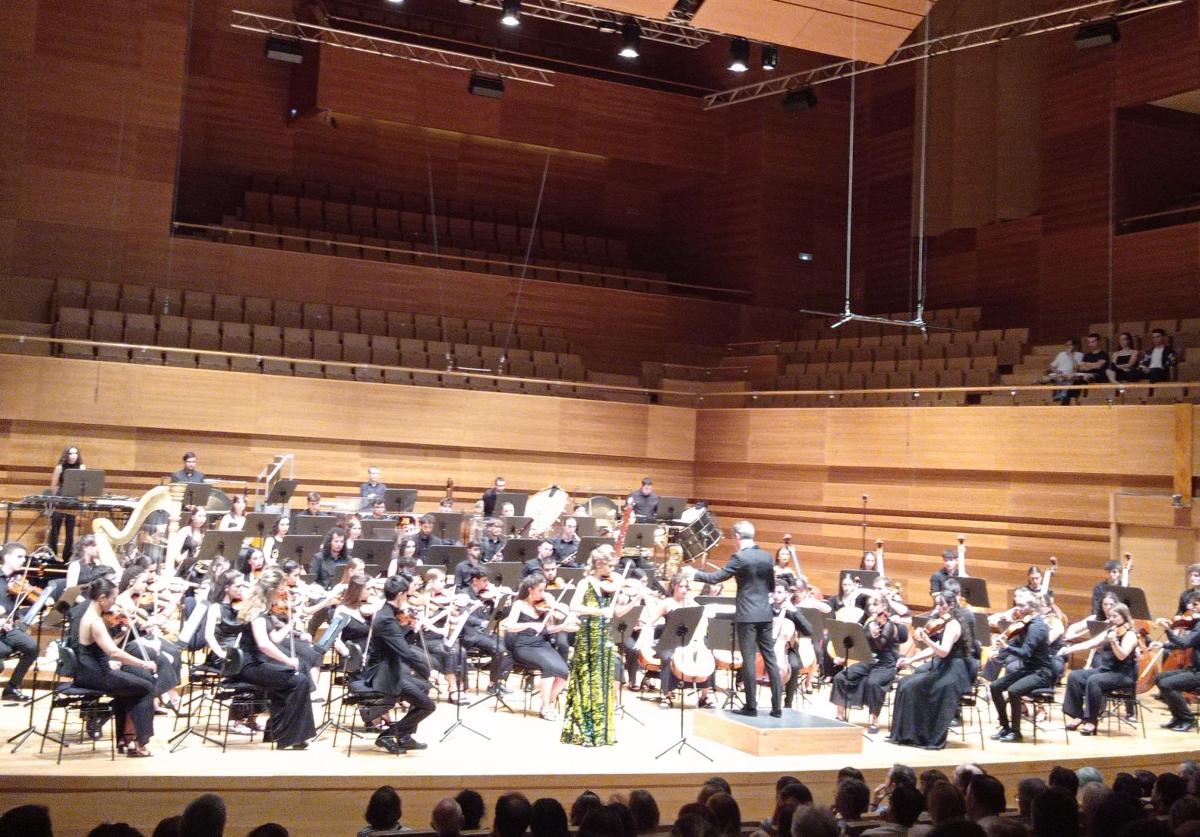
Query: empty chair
(297, 342)
(173, 331)
(343, 318)
(109, 327)
(288, 314)
(284, 211)
(235, 337)
(315, 315)
(166, 301)
(374, 249)
(399, 324)
(140, 330)
(103, 296)
(69, 293)
(257, 207)
(356, 348)
(257, 311)
(384, 351)
(310, 213)
(337, 216)
(135, 299)
(372, 321)
(227, 307)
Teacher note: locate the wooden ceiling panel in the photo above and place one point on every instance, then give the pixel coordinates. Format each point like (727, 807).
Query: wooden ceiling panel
(657, 9)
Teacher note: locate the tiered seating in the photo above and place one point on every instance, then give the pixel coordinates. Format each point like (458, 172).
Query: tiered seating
(315, 217)
(818, 328)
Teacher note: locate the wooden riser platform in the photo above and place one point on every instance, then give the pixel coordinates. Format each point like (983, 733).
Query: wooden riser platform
(794, 734)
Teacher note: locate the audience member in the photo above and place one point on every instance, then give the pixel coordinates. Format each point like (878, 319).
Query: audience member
(931, 777)
(1187, 769)
(548, 818)
(114, 829)
(944, 803)
(809, 821)
(1093, 368)
(1123, 364)
(1146, 780)
(1185, 809)
(899, 773)
(1167, 790)
(1065, 778)
(698, 809)
(584, 804)
(850, 773)
(1091, 796)
(1055, 814)
(645, 811)
(384, 811)
(1128, 786)
(512, 815)
(905, 804)
(204, 816)
(693, 825)
(618, 807)
(168, 827)
(1157, 361)
(1028, 789)
(26, 821)
(268, 829)
(727, 814)
(1088, 774)
(600, 822)
(797, 792)
(1113, 815)
(851, 800)
(963, 775)
(447, 818)
(472, 807)
(985, 800)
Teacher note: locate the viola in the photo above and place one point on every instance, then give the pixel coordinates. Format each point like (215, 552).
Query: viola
(21, 586)
(1017, 628)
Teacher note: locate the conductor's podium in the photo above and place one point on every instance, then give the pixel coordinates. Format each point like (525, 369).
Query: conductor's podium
(796, 733)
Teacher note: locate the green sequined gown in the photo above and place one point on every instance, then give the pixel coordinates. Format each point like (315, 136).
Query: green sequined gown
(589, 712)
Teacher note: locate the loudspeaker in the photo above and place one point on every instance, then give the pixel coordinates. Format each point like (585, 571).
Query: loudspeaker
(1097, 34)
(484, 85)
(282, 49)
(802, 98)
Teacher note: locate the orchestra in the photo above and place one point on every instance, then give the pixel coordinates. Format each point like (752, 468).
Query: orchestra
(418, 620)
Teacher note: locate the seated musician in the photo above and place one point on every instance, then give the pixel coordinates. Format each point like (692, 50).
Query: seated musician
(185, 543)
(85, 563)
(1193, 586)
(644, 502)
(948, 571)
(529, 631)
(805, 595)
(475, 636)
(1183, 634)
(462, 570)
(431, 607)
(566, 545)
(867, 683)
(355, 609)
(1079, 630)
(404, 558)
(891, 596)
(1112, 578)
(330, 559)
(489, 496)
(274, 541)
(378, 510)
(14, 641)
(235, 519)
(396, 669)
(222, 631)
(633, 593)
(291, 612)
(1114, 666)
(312, 505)
(251, 562)
(1035, 670)
(354, 532)
(493, 541)
(138, 604)
(680, 589)
(787, 564)
(782, 607)
(546, 563)
(271, 665)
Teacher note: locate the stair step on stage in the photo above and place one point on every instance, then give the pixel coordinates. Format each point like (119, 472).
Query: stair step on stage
(796, 733)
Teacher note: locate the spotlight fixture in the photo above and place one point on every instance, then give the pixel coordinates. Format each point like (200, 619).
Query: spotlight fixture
(631, 34)
(396, 2)
(802, 98)
(770, 57)
(510, 12)
(607, 27)
(739, 55)
(284, 49)
(488, 86)
(1097, 33)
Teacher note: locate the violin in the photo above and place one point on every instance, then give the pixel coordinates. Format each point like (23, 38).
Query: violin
(936, 624)
(1017, 628)
(21, 586)
(116, 621)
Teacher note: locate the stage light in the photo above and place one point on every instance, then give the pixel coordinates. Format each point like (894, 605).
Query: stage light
(489, 86)
(510, 12)
(1098, 33)
(739, 55)
(631, 34)
(607, 27)
(770, 57)
(284, 49)
(802, 98)
(396, 2)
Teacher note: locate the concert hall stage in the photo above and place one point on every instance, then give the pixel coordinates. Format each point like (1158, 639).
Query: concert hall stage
(321, 792)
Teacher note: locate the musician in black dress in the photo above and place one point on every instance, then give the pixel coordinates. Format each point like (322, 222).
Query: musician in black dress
(327, 564)
(529, 631)
(927, 700)
(1114, 666)
(1035, 669)
(1172, 684)
(222, 631)
(474, 634)
(867, 683)
(754, 569)
(132, 693)
(396, 669)
(70, 459)
(271, 664)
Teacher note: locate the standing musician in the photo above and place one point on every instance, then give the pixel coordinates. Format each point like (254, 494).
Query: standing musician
(13, 638)
(589, 703)
(529, 629)
(70, 459)
(1114, 666)
(396, 669)
(1182, 636)
(867, 683)
(644, 502)
(330, 559)
(188, 472)
(281, 674)
(474, 634)
(1036, 670)
(372, 489)
(787, 564)
(754, 570)
(133, 695)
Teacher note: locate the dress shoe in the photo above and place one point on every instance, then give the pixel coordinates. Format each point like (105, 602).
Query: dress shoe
(499, 689)
(1000, 733)
(1184, 726)
(748, 711)
(776, 713)
(1171, 724)
(390, 744)
(410, 743)
(705, 703)
(872, 730)
(1011, 737)
(14, 694)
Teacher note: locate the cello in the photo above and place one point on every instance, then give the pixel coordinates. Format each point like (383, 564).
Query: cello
(783, 634)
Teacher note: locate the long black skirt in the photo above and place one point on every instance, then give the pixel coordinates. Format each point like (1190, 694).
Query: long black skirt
(927, 701)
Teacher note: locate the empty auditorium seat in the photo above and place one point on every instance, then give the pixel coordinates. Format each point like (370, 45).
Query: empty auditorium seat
(257, 311)
(235, 337)
(288, 314)
(135, 299)
(297, 342)
(227, 307)
(372, 321)
(315, 315)
(197, 305)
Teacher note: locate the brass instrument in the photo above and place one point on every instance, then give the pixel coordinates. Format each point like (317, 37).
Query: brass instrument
(674, 561)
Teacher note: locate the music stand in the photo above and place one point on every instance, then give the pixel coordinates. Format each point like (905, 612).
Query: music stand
(515, 527)
(82, 482)
(587, 544)
(1133, 598)
(380, 529)
(499, 612)
(373, 552)
(618, 629)
(451, 522)
(400, 499)
(517, 498)
(866, 578)
(300, 548)
(226, 542)
(572, 574)
(678, 630)
(521, 549)
(197, 494)
(446, 555)
(640, 535)
(312, 524)
(722, 636)
(504, 573)
(259, 524)
(281, 492)
(850, 639)
(974, 590)
(584, 526)
(1096, 627)
(716, 600)
(669, 508)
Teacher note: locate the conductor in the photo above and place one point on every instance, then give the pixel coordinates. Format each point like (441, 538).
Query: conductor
(754, 570)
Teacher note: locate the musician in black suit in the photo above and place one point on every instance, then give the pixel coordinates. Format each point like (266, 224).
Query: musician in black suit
(188, 472)
(754, 569)
(397, 669)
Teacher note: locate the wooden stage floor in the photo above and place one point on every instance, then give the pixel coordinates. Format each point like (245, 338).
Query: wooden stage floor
(321, 792)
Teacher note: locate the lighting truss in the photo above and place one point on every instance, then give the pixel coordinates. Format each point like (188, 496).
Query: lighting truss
(387, 47)
(663, 31)
(1037, 24)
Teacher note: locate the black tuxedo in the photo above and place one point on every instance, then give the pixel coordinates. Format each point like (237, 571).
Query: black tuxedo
(754, 570)
(396, 669)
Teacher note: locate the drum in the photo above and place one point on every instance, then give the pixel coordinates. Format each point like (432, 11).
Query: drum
(604, 508)
(700, 536)
(544, 509)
